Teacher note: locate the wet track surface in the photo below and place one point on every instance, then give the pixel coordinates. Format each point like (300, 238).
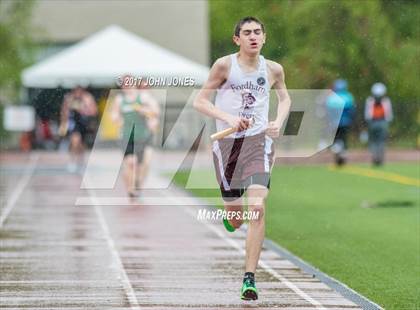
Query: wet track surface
(56, 255)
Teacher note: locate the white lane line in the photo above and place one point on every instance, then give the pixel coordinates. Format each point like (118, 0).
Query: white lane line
(54, 281)
(24, 180)
(262, 263)
(128, 288)
(236, 245)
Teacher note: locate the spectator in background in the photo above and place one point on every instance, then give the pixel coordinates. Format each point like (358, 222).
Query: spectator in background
(78, 108)
(378, 115)
(335, 103)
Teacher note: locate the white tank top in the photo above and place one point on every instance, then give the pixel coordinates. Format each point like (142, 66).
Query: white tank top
(246, 95)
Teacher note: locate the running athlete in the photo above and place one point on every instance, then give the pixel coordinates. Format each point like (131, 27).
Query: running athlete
(137, 112)
(78, 108)
(243, 160)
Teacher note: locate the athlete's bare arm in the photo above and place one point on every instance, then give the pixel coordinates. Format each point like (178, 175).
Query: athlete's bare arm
(152, 103)
(64, 116)
(149, 107)
(64, 113)
(276, 75)
(152, 111)
(217, 76)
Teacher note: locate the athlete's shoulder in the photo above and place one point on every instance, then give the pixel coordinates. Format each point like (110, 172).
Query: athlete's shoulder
(223, 63)
(274, 67)
(220, 70)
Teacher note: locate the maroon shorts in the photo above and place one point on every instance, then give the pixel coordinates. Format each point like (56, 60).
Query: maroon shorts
(240, 162)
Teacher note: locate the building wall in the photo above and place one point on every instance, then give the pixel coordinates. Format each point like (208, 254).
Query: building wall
(179, 25)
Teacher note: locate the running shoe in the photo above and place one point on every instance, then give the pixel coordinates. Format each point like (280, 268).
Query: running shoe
(228, 226)
(249, 291)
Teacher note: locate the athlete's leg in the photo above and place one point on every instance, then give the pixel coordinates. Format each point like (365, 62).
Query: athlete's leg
(255, 235)
(235, 206)
(143, 166)
(130, 164)
(76, 151)
(76, 145)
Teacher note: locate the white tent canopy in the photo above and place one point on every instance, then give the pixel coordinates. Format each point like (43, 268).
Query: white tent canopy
(106, 55)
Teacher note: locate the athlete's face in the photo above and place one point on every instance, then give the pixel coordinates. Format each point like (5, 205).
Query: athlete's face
(251, 38)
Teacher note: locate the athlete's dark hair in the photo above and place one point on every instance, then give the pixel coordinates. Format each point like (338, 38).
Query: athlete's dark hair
(245, 20)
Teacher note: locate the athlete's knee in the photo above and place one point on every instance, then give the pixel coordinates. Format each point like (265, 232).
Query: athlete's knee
(147, 156)
(257, 191)
(130, 161)
(257, 212)
(75, 140)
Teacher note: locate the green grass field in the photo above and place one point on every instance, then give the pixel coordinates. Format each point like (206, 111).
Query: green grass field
(360, 230)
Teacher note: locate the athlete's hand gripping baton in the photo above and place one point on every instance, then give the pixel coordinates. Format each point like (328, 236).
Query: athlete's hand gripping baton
(222, 134)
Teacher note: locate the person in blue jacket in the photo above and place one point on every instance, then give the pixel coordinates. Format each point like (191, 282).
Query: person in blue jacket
(335, 102)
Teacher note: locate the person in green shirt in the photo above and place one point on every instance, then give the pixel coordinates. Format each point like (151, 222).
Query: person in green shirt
(137, 113)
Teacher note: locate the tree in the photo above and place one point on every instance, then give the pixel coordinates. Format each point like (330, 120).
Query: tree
(318, 41)
(16, 48)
